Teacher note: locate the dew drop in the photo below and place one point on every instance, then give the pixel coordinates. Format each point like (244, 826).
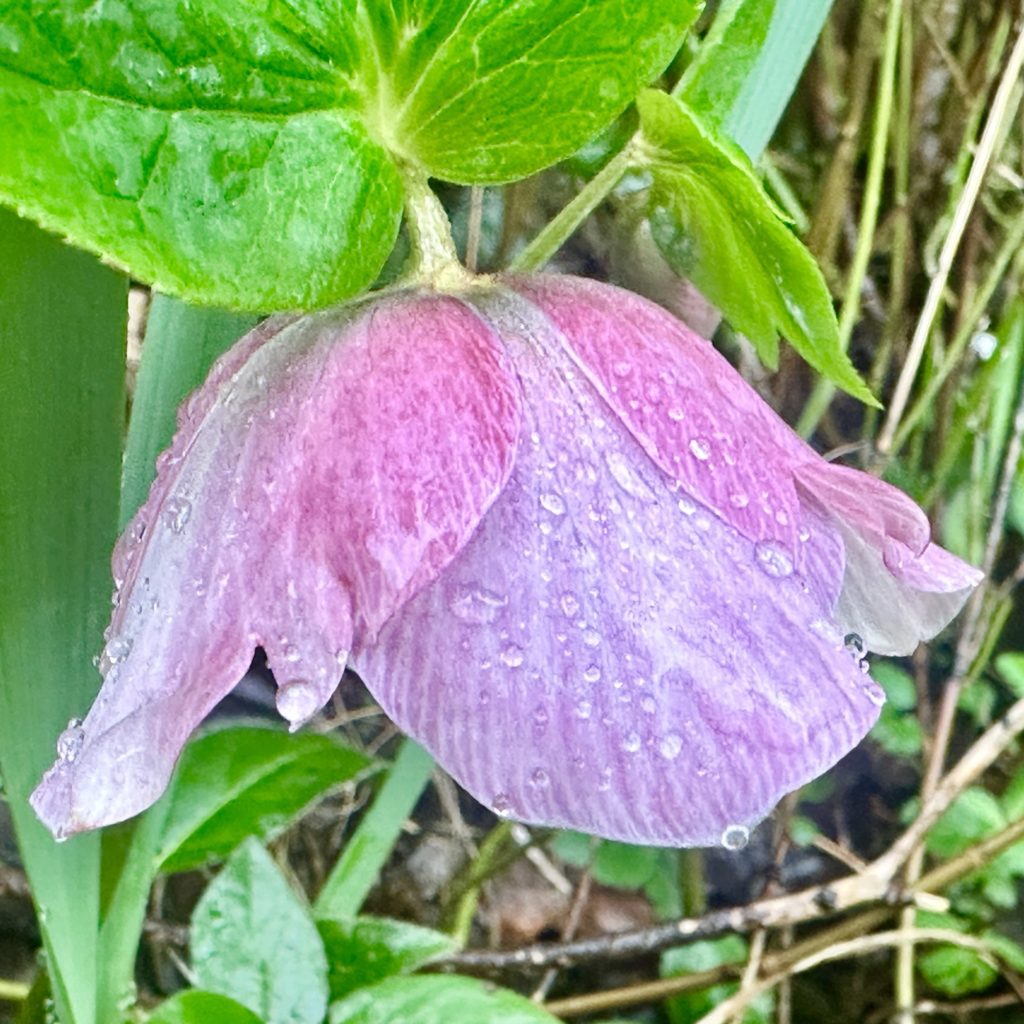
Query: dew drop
(540, 716)
(570, 604)
(512, 656)
(631, 742)
(670, 746)
(591, 673)
(773, 559)
(114, 653)
(854, 643)
(539, 778)
(605, 782)
(583, 708)
(502, 805)
(676, 414)
(177, 513)
(735, 837)
(621, 368)
(475, 604)
(553, 503)
(70, 741)
(648, 705)
(591, 637)
(297, 701)
(875, 694)
(739, 500)
(700, 449)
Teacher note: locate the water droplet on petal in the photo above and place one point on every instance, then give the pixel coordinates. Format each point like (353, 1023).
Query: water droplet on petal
(297, 701)
(553, 503)
(631, 743)
(539, 778)
(502, 805)
(648, 705)
(591, 673)
(583, 708)
(177, 513)
(739, 500)
(475, 604)
(875, 694)
(735, 837)
(854, 644)
(700, 449)
(621, 368)
(591, 637)
(512, 656)
(670, 745)
(773, 559)
(570, 604)
(70, 741)
(117, 649)
(676, 414)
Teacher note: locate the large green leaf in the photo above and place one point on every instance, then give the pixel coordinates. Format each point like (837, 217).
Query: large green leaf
(365, 950)
(62, 326)
(747, 67)
(437, 1000)
(487, 92)
(212, 150)
(254, 941)
(194, 1006)
(241, 781)
(715, 225)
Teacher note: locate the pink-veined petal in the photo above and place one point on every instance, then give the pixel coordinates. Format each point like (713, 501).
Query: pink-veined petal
(318, 480)
(607, 654)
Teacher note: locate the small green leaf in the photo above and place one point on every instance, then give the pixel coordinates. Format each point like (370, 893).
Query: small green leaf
(898, 730)
(365, 950)
(255, 941)
(956, 971)
(703, 956)
(437, 1000)
(1010, 667)
(197, 1007)
(235, 782)
(623, 865)
(974, 815)
(716, 225)
(491, 92)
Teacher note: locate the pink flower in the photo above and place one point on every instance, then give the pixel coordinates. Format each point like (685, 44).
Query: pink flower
(565, 545)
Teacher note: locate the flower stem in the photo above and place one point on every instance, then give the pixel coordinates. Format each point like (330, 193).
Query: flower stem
(430, 233)
(550, 240)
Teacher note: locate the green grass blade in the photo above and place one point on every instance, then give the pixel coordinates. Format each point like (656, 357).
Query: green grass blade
(62, 330)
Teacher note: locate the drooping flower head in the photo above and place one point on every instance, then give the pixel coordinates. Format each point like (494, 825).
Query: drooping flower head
(565, 545)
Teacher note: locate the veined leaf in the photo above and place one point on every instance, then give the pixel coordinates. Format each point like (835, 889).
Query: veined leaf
(715, 225)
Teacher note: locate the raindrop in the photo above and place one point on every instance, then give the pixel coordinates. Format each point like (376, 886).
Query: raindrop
(583, 709)
(297, 700)
(854, 644)
(592, 674)
(539, 778)
(735, 837)
(177, 513)
(570, 604)
(115, 652)
(553, 503)
(622, 368)
(475, 604)
(686, 506)
(70, 741)
(631, 743)
(512, 656)
(676, 414)
(739, 500)
(875, 694)
(670, 745)
(773, 559)
(502, 805)
(540, 716)
(700, 449)
(606, 780)
(591, 637)
(648, 705)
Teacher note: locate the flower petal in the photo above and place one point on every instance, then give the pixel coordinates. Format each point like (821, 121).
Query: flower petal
(328, 469)
(605, 653)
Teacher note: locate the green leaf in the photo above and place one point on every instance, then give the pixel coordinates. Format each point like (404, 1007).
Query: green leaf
(212, 151)
(898, 730)
(254, 941)
(244, 781)
(974, 815)
(62, 329)
(197, 1007)
(703, 956)
(492, 92)
(437, 1000)
(955, 971)
(748, 65)
(365, 950)
(1010, 667)
(715, 224)
(365, 853)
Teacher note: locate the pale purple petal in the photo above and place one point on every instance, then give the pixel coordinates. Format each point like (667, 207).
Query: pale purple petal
(706, 427)
(607, 653)
(329, 468)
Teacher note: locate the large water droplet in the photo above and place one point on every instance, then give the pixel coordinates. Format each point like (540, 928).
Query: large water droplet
(670, 745)
(502, 805)
(700, 449)
(177, 513)
(117, 649)
(475, 604)
(297, 701)
(735, 837)
(591, 673)
(512, 656)
(773, 559)
(70, 741)
(553, 503)
(854, 643)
